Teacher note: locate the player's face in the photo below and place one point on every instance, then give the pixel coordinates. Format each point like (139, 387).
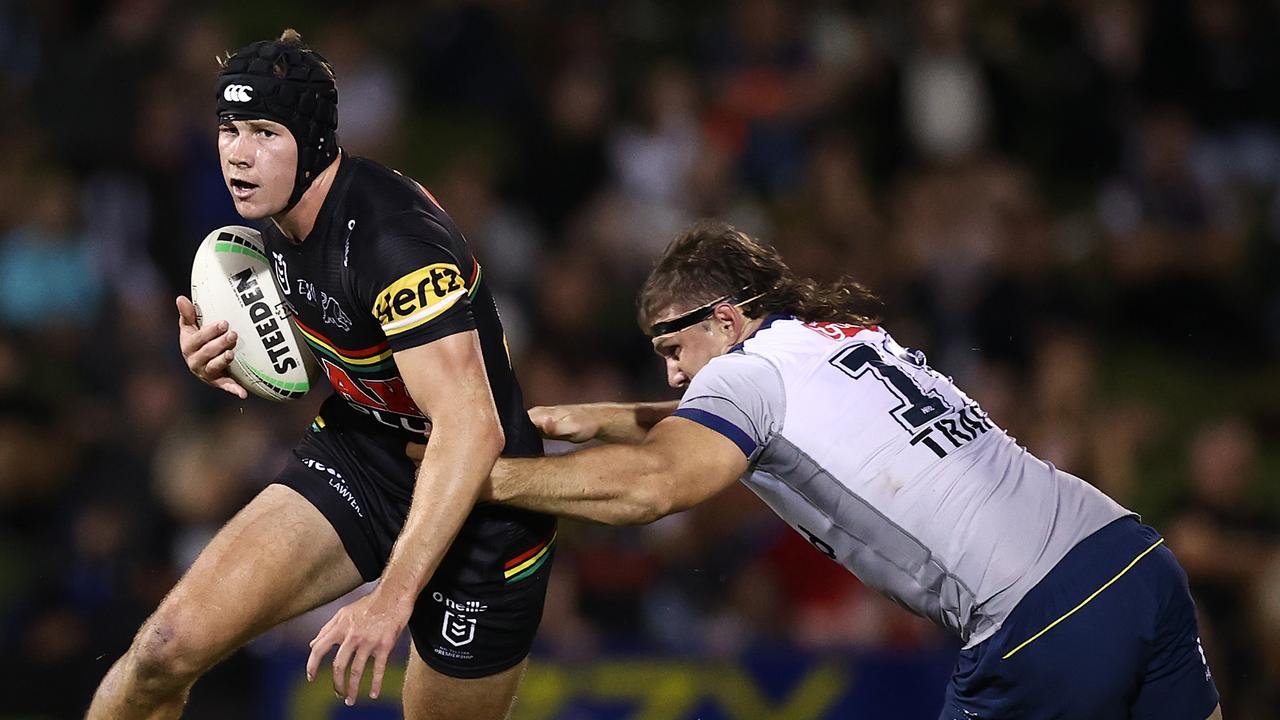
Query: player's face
(259, 159)
(687, 351)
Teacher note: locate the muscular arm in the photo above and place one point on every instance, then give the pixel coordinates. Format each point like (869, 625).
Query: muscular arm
(678, 464)
(610, 422)
(446, 378)
(466, 438)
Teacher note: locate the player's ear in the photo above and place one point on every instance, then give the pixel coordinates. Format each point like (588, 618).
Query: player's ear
(726, 316)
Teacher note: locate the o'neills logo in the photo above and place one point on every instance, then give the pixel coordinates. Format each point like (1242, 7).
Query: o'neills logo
(264, 321)
(418, 297)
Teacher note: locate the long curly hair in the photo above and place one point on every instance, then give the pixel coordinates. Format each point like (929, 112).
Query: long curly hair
(713, 259)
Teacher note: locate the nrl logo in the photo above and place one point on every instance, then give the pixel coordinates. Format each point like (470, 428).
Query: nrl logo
(282, 272)
(459, 630)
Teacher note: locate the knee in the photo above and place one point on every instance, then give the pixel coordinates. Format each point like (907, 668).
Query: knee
(169, 652)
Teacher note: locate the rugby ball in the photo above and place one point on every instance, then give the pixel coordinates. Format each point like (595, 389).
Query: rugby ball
(232, 280)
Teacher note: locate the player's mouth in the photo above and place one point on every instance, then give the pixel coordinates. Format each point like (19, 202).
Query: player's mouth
(242, 189)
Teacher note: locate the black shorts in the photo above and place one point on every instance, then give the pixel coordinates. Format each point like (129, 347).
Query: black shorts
(479, 613)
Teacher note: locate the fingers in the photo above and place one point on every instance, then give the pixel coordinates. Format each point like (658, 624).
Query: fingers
(379, 669)
(186, 313)
(341, 661)
(231, 386)
(356, 674)
(192, 339)
(543, 419)
(319, 648)
(209, 350)
(415, 451)
(217, 367)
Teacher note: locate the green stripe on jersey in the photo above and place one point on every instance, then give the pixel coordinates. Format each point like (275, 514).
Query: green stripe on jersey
(329, 354)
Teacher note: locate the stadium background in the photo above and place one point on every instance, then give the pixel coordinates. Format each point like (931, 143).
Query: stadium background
(1071, 206)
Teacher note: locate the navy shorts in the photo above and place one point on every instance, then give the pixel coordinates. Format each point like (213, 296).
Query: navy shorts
(1109, 633)
(479, 613)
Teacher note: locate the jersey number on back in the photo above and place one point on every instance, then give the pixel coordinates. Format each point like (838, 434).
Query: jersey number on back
(917, 409)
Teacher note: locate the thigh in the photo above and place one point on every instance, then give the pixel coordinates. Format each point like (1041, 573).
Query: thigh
(277, 558)
(432, 695)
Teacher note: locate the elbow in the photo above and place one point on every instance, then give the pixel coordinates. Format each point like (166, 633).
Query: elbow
(480, 437)
(489, 436)
(636, 509)
(648, 498)
(649, 507)
(497, 438)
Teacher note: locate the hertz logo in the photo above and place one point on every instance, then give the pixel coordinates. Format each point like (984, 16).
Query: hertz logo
(418, 297)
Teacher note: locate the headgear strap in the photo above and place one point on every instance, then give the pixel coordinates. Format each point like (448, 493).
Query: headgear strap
(289, 83)
(700, 313)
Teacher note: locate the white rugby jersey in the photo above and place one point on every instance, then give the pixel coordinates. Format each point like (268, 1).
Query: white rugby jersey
(892, 471)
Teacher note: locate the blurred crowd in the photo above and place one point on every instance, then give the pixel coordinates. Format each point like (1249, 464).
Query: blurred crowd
(1072, 206)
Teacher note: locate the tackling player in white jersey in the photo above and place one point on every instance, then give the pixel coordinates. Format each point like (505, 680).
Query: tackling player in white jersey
(1067, 605)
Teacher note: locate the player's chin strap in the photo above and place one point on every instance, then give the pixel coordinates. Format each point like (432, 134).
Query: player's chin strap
(702, 312)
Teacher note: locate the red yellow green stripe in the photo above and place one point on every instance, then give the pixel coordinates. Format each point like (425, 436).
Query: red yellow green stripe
(474, 282)
(375, 355)
(528, 562)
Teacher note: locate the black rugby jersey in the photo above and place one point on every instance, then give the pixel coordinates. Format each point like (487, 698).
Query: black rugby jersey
(385, 269)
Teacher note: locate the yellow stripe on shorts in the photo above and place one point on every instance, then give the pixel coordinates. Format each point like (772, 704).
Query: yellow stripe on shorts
(1086, 601)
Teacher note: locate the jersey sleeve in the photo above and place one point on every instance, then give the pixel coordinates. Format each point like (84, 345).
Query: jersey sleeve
(739, 396)
(413, 284)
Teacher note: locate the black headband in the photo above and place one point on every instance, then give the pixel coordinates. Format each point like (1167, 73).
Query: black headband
(700, 313)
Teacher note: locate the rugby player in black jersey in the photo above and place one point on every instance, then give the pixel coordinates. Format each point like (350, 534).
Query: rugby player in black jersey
(395, 309)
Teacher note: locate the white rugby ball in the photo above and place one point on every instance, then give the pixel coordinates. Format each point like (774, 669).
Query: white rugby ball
(232, 280)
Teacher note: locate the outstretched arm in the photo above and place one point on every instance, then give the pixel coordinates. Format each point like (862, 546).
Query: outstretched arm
(610, 422)
(678, 464)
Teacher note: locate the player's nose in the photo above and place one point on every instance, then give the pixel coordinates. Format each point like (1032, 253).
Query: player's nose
(675, 377)
(238, 153)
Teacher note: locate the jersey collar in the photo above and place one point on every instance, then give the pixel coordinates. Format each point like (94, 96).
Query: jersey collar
(768, 320)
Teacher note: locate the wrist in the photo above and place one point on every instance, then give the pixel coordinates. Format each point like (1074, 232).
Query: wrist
(395, 591)
(496, 490)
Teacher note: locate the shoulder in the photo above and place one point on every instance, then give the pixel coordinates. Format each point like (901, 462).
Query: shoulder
(738, 375)
(740, 396)
(391, 201)
(386, 211)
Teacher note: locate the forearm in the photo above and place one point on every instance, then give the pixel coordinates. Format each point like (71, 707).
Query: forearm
(612, 484)
(453, 471)
(628, 422)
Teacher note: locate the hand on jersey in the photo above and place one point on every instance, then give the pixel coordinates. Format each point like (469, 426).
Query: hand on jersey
(565, 422)
(208, 350)
(365, 630)
(555, 422)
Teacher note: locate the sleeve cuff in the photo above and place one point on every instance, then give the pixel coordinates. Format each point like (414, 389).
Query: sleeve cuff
(720, 425)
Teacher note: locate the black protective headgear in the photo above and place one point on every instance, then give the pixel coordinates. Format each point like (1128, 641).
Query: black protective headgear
(286, 82)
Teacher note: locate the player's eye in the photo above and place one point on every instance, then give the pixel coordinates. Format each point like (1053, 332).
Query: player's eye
(227, 130)
(266, 133)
